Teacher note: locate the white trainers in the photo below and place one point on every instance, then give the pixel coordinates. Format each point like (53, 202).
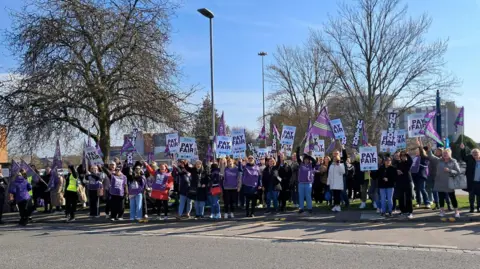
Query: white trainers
(457, 214)
(334, 209)
(363, 205)
(211, 216)
(417, 206)
(232, 216)
(429, 206)
(145, 216)
(218, 216)
(260, 206)
(442, 213)
(410, 216)
(339, 209)
(225, 216)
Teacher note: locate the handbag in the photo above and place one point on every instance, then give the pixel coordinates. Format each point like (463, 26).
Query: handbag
(216, 190)
(328, 196)
(458, 182)
(160, 195)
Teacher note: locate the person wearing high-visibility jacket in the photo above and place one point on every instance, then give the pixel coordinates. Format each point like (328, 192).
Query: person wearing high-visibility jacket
(71, 197)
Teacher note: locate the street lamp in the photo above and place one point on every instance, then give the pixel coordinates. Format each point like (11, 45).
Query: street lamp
(207, 13)
(263, 54)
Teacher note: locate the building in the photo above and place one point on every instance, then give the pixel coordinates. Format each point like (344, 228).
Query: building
(3, 145)
(449, 111)
(145, 144)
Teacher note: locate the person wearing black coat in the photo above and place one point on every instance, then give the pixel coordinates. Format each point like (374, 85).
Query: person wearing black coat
(403, 184)
(47, 203)
(285, 173)
(198, 187)
(271, 184)
(472, 173)
(184, 183)
(3, 191)
(386, 183)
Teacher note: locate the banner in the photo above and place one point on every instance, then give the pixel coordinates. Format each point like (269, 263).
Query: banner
(337, 127)
(392, 120)
(287, 150)
(238, 154)
(172, 142)
(224, 145)
(356, 137)
(92, 156)
(368, 159)
(262, 153)
(416, 123)
(186, 150)
(253, 150)
(383, 143)
(288, 135)
(318, 147)
(238, 140)
(401, 139)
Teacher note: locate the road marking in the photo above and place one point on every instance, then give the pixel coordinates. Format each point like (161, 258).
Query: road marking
(437, 246)
(382, 243)
(334, 241)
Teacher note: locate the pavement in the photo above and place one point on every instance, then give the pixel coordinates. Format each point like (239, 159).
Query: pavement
(273, 244)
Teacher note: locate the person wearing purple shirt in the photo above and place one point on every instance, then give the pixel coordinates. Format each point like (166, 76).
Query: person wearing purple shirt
(19, 192)
(135, 193)
(306, 170)
(94, 181)
(118, 190)
(232, 182)
(251, 183)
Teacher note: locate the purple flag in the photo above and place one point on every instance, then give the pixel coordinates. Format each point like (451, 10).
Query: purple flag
(431, 133)
(99, 150)
(331, 147)
(30, 171)
(322, 126)
(209, 152)
(127, 146)
(14, 168)
(459, 121)
(276, 134)
(221, 126)
(262, 135)
(57, 157)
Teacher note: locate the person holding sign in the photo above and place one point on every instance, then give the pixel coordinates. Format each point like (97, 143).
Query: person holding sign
(251, 184)
(136, 185)
(306, 170)
(403, 185)
(336, 181)
(420, 174)
(386, 183)
(19, 191)
(161, 183)
(94, 182)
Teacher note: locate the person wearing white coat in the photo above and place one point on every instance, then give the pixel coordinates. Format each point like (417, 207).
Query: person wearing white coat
(335, 181)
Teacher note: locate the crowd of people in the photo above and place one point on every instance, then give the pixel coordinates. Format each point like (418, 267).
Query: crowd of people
(421, 175)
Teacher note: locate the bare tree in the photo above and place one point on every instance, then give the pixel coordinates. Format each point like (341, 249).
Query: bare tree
(382, 60)
(84, 62)
(303, 78)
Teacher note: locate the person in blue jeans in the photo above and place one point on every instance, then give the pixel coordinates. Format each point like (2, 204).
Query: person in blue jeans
(386, 183)
(184, 182)
(214, 182)
(306, 171)
(271, 184)
(136, 185)
(420, 173)
(432, 173)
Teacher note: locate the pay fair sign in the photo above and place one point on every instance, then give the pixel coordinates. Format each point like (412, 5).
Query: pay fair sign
(337, 128)
(187, 148)
(368, 159)
(172, 142)
(92, 156)
(288, 135)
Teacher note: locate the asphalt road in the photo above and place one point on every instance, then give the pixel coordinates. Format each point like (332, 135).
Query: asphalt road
(214, 246)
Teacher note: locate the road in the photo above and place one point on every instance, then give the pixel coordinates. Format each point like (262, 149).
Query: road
(238, 245)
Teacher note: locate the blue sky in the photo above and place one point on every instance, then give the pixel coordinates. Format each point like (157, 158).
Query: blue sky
(242, 28)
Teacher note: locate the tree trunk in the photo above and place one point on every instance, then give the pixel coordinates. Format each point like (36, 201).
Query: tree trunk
(104, 143)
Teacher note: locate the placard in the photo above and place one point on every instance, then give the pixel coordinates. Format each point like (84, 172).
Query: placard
(391, 138)
(224, 145)
(238, 140)
(187, 148)
(92, 156)
(383, 143)
(172, 142)
(416, 123)
(318, 147)
(337, 128)
(262, 153)
(368, 159)
(401, 139)
(356, 137)
(288, 135)
(287, 150)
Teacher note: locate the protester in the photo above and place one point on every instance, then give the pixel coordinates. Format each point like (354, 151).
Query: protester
(251, 184)
(3, 190)
(56, 190)
(285, 173)
(294, 193)
(324, 177)
(136, 186)
(373, 192)
(94, 181)
(20, 192)
(403, 185)
(161, 185)
(232, 182)
(419, 172)
(271, 185)
(198, 187)
(473, 176)
(351, 186)
(446, 168)
(317, 186)
(362, 180)
(71, 195)
(118, 192)
(336, 181)
(44, 193)
(109, 172)
(214, 179)
(386, 183)
(184, 182)
(260, 193)
(306, 170)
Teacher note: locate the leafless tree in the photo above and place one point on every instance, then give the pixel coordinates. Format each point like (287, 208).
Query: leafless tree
(84, 62)
(382, 60)
(302, 78)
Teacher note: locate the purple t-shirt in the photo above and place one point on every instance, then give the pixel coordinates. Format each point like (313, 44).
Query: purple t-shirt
(160, 181)
(136, 186)
(251, 175)
(231, 177)
(20, 188)
(305, 173)
(117, 185)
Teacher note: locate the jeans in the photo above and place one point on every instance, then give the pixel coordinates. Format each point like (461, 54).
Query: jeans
(432, 195)
(305, 193)
(344, 197)
(420, 192)
(94, 203)
(215, 209)
(185, 204)
(136, 203)
(272, 196)
(386, 198)
(199, 208)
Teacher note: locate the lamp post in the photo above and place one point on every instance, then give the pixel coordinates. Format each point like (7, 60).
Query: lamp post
(208, 14)
(263, 54)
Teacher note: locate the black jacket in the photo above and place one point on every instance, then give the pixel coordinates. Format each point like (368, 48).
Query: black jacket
(405, 179)
(199, 177)
(470, 170)
(359, 175)
(285, 172)
(387, 172)
(270, 179)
